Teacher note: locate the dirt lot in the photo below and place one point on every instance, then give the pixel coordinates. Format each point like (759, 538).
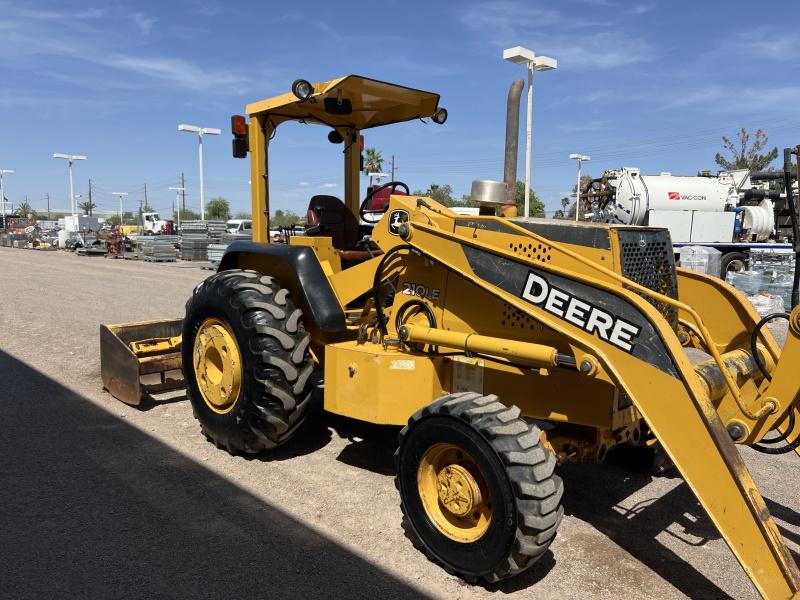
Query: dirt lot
(99, 500)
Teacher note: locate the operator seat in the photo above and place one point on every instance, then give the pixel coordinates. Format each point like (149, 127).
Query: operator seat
(328, 216)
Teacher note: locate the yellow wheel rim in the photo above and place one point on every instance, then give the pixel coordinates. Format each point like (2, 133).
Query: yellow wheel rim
(454, 493)
(217, 365)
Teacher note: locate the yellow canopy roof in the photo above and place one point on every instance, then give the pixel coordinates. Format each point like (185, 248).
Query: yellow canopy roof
(374, 103)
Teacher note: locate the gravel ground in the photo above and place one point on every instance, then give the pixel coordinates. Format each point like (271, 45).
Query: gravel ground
(98, 499)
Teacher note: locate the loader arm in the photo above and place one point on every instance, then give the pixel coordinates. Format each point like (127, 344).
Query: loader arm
(624, 338)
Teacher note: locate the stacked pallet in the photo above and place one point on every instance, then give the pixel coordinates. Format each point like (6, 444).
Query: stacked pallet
(194, 240)
(160, 248)
(216, 229)
(215, 252)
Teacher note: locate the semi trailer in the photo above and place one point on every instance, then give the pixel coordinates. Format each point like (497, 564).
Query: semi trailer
(733, 211)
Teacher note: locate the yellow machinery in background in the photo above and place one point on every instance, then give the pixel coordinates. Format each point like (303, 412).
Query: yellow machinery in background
(502, 346)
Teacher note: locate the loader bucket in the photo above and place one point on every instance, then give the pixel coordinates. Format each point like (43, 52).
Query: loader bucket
(152, 369)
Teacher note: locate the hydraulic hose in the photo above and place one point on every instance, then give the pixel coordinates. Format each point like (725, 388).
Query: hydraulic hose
(376, 284)
(765, 446)
(754, 340)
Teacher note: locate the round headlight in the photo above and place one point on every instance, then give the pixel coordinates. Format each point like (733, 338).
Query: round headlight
(302, 89)
(440, 116)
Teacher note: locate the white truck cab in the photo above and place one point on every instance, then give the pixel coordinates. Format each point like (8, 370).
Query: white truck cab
(153, 223)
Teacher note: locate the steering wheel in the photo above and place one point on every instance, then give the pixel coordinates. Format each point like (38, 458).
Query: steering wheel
(362, 211)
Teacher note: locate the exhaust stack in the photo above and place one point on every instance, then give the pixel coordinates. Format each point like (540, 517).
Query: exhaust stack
(512, 144)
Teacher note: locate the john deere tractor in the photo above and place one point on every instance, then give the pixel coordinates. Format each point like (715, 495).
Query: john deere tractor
(502, 346)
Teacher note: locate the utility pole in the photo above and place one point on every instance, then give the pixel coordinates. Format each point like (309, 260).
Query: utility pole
(121, 196)
(178, 191)
(393, 168)
(90, 198)
(47, 195)
(141, 208)
(183, 193)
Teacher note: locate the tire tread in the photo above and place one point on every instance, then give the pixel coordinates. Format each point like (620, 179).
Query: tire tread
(529, 466)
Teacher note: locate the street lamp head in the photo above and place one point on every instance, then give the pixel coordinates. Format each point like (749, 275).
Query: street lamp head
(210, 131)
(69, 157)
(580, 157)
(176, 189)
(544, 63)
(185, 127)
(119, 193)
(519, 55)
(6, 171)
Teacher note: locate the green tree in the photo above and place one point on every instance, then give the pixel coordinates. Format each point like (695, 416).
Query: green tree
(126, 216)
(24, 209)
(87, 206)
(746, 155)
(561, 213)
(283, 219)
(536, 205)
(188, 215)
(443, 194)
(218, 208)
(373, 162)
(243, 214)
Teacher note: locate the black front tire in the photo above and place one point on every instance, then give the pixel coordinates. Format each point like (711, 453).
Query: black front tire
(276, 362)
(518, 472)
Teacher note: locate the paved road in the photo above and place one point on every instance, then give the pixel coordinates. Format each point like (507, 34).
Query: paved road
(101, 500)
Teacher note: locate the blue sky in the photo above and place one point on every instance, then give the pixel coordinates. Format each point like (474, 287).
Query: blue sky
(643, 83)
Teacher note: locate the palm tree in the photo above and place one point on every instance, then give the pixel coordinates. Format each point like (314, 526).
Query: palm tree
(373, 162)
(87, 207)
(24, 209)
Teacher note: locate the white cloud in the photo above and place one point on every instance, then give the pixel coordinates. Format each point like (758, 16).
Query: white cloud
(31, 39)
(773, 47)
(329, 185)
(577, 42)
(325, 28)
(144, 23)
(171, 70)
(208, 9)
(736, 99)
(303, 183)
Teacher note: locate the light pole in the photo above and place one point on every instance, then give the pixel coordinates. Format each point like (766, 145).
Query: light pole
(70, 158)
(580, 158)
(178, 191)
(121, 196)
(3, 193)
(200, 131)
(522, 56)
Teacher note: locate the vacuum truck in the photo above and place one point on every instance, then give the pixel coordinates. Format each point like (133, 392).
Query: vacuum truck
(733, 211)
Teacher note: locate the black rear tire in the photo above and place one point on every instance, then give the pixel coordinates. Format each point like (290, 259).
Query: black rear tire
(276, 362)
(517, 470)
(732, 261)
